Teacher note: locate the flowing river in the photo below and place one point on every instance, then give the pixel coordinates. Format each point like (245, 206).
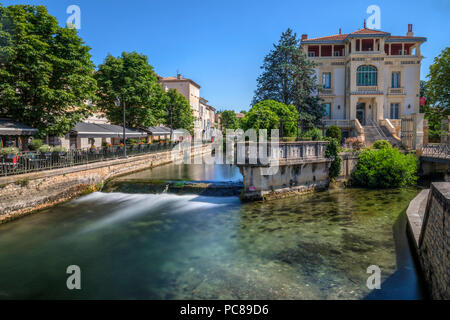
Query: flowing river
(170, 246)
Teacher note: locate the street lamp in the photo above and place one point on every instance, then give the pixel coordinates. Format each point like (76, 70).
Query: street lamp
(117, 104)
(169, 110)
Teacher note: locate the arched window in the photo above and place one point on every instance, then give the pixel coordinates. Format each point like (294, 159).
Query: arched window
(366, 76)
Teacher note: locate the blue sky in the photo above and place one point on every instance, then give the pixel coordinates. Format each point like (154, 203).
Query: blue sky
(221, 44)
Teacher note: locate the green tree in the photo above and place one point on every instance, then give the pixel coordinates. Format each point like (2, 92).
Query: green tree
(46, 72)
(334, 132)
(332, 152)
(262, 116)
(437, 94)
(229, 120)
(278, 112)
(179, 113)
(130, 78)
(385, 168)
(438, 85)
(289, 77)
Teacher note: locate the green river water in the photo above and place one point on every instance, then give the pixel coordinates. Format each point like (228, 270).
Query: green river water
(167, 246)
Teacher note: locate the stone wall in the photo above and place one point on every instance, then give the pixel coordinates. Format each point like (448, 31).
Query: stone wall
(348, 164)
(289, 179)
(22, 194)
(429, 225)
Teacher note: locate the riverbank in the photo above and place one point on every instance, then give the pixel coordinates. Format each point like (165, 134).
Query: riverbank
(429, 229)
(27, 193)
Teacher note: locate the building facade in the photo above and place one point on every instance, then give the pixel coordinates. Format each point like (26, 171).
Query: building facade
(203, 121)
(366, 76)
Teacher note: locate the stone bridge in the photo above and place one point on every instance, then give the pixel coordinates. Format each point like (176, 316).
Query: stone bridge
(292, 167)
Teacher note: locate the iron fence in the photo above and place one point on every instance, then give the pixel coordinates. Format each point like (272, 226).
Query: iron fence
(25, 162)
(436, 150)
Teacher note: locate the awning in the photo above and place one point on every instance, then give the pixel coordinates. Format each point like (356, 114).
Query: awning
(10, 127)
(158, 131)
(101, 130)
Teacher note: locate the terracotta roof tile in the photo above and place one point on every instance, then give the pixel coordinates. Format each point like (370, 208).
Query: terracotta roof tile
(333, 37)
(368, 31)
(363, 31)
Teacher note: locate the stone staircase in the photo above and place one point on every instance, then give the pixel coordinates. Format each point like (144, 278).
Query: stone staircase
(374, 132)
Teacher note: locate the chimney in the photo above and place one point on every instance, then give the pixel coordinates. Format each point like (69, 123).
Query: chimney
(304, 36)
(364, 23)
(410, 32)
(178, 76)
(340, 32)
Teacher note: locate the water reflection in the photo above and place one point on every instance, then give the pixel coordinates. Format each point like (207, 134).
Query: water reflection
(194, 172)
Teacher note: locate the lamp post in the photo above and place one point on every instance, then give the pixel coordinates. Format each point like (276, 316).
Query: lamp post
(169, 110)
(117, 104)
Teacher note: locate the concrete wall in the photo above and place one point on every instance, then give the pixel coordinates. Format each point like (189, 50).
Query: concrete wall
(21, 194)
(429, 224)
(348, 165)
(288, 180)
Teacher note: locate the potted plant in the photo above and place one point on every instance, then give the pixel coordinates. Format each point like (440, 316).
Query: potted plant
(46, 150)
(9, 153)
(59, 150)
(35, 144)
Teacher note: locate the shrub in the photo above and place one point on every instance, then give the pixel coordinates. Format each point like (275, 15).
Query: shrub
(35, 144)
(334, 132)
(354, 143)
(332, 152)
(381, 144)
(314, 134)
(45, 148)
(9, 150)
(385, 168)
(59, 149)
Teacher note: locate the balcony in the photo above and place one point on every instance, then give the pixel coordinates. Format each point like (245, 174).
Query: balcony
(396, 91)
(366, 90)
(326, 92)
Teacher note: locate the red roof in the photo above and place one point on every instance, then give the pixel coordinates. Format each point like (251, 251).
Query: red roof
(368, 31)
(331, 38)
(176, 79)
(363, 31)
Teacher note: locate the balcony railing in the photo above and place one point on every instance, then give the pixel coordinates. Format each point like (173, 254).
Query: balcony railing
(326, 91)
(340, 123)
(396, 91)
(367, 88)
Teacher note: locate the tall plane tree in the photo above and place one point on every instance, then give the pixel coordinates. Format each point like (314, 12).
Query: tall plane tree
(289, 77)
(46, 72)
(130, 78)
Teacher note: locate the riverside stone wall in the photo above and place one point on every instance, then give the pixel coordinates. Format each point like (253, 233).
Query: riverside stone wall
(434, 246)
(429, 227)
(22, 194)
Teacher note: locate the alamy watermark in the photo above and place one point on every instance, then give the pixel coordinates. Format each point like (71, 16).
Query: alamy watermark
(74, 20)
(237, 147)
(74, 280)
(374, 280)
(374, 20)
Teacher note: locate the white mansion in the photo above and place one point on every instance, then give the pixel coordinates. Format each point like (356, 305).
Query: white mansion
(366, 76)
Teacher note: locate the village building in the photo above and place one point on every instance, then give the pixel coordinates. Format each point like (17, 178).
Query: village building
(367, 77)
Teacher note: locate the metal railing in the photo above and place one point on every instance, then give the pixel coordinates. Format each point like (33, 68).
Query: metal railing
(25, 162)
(283, 151)
(437, 151)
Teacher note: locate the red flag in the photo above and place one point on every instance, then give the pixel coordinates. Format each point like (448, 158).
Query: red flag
(422, 101)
